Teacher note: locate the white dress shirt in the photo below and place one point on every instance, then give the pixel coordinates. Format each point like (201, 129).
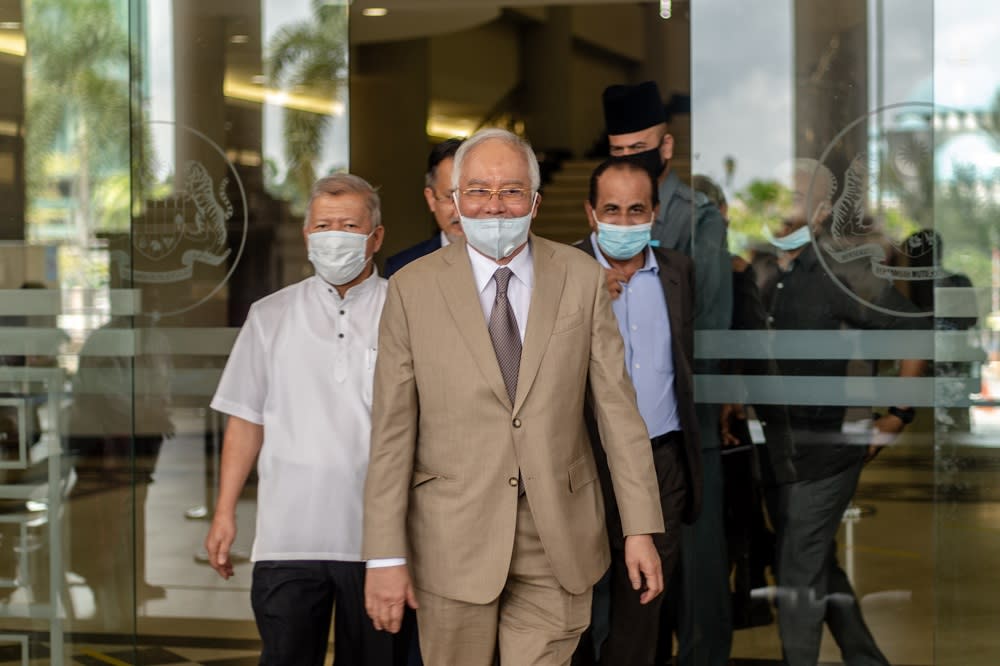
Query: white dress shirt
(519, 297)
(303, 367)
(518, 289)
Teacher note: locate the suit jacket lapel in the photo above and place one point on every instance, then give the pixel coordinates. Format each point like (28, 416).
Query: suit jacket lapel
(459, 288)
(671, 292)
(549, 279)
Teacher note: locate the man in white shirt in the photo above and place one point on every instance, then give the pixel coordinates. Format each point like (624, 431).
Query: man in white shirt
(298, 392)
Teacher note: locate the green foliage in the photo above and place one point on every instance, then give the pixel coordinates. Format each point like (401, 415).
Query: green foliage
(77, 67)
(757, 205)
(310, 55)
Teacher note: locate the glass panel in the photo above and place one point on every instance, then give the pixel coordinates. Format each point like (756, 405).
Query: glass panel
(239, 107)
(966, 156)
(155, 159)
(67, 520)
(822, 135)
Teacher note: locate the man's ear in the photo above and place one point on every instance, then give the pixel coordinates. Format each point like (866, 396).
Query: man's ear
(535, 204)
(667, 147)
(590, 215)
(378, 235)
(823, 211)
(429, 198)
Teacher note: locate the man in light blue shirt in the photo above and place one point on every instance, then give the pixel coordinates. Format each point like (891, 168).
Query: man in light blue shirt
(686, 221)
(655, 313)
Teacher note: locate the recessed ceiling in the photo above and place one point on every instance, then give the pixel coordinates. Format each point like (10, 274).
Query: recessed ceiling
(411, 19)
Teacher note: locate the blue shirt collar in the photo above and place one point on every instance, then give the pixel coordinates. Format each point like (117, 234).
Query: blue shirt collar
(649, 265)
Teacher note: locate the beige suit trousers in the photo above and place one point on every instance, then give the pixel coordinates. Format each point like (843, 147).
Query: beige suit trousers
(534, 621)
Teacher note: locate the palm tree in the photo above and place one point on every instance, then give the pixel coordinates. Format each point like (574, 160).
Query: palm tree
(77, 98)
(311, 55)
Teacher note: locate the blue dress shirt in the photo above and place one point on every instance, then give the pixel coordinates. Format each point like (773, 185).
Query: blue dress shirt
(641, 311)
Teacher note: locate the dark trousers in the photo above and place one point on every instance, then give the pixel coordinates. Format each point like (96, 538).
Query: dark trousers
(699, 589)
(632, 628)
(751, 544)
(813, 587)
(293, 602)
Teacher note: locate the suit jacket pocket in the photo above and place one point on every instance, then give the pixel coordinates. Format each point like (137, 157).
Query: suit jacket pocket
(582, 471)
(420, 477)
(567, 322)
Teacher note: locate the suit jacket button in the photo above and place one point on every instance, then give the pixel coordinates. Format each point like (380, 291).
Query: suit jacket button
(512, 481)
(517, 423)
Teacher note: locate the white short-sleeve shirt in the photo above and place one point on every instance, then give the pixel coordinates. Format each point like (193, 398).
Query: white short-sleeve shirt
(303, 366)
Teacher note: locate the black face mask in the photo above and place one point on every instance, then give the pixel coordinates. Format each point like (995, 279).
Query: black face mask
(650, 160)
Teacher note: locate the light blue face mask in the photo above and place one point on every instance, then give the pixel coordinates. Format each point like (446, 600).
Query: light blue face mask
(497, 237)
(793, 241)
(622, 242)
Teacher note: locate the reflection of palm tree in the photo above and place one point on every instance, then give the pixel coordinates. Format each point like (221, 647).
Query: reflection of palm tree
(78, 96)
(312, 55)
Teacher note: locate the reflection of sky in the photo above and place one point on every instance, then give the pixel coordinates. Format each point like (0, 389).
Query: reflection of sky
(741, 88)
(742, 65)
(160, 60)
(966, 57)
(975, 152)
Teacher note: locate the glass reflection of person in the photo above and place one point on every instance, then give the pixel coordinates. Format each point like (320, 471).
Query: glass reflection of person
(751, 543)
(119, 419)
(922, 294)
(801, 295)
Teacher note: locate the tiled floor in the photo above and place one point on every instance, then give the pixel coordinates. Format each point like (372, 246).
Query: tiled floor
(148, 651)
(922, 556)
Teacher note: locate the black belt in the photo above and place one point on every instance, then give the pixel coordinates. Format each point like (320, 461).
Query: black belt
(672, 437)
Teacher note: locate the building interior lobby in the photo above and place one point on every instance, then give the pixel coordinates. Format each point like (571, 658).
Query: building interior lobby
(156, 158)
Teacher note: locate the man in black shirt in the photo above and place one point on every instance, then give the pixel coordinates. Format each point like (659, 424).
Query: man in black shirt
(800, 293)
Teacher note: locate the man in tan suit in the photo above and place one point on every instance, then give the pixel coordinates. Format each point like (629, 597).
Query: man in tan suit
(481, 481)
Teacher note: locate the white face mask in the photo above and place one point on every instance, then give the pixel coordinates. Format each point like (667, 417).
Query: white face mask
(496, 237)
(338, 256)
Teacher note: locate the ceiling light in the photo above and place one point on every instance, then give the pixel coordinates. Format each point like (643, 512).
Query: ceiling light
(375, 11)
(10, 25)
(239, 39)
(665, 9)
(259, 79)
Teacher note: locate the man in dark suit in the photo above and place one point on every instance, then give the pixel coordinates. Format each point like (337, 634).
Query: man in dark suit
(655, 314)
(437, 192)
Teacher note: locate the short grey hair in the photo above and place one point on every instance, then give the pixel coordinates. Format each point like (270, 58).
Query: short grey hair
(497, 134)
(346, 183)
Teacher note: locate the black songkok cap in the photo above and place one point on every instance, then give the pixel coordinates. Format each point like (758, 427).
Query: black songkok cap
(632, 108)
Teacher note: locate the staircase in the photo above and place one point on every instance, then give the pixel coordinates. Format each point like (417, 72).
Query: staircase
(561, 216)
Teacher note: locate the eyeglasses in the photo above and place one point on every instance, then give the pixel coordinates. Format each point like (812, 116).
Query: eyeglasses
(505, 194)
(444, 198)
